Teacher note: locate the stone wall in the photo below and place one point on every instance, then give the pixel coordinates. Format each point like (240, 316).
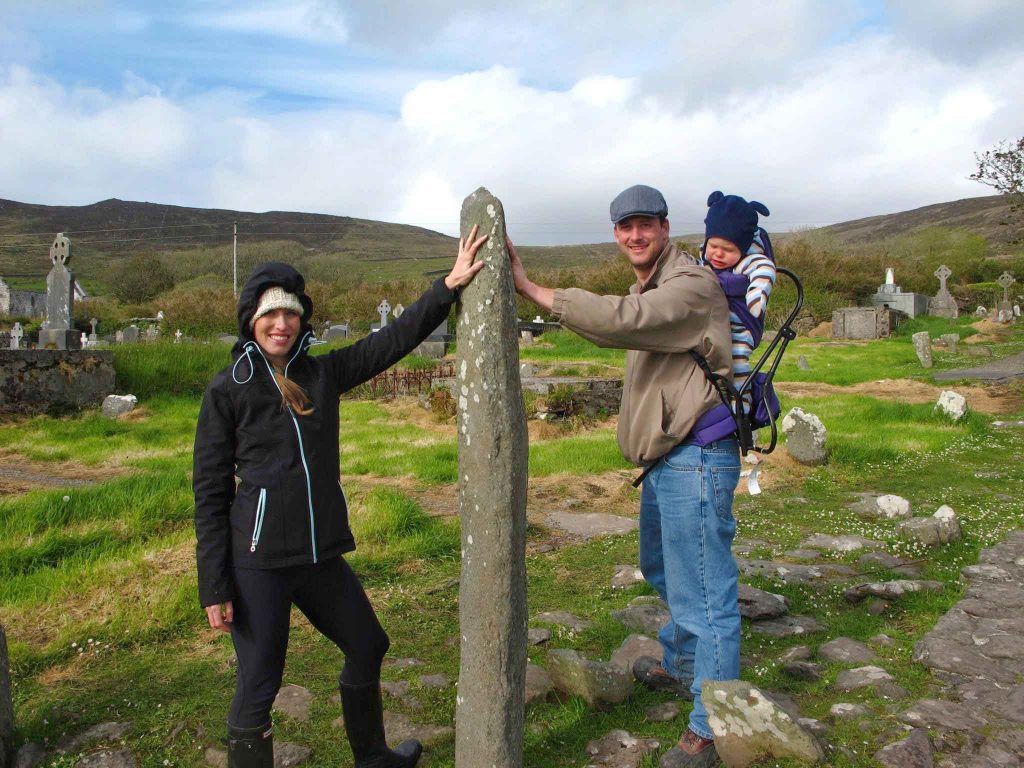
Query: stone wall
(27, 304)
(35, 380)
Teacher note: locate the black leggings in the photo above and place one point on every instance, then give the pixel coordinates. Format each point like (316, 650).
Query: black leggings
(333, 600)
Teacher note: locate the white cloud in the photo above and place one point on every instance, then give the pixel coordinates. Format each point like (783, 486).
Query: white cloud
(312, 20)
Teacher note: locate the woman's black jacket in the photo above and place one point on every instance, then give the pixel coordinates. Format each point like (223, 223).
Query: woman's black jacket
(288, 507)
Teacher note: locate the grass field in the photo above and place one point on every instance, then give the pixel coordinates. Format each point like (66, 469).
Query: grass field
(97, 583)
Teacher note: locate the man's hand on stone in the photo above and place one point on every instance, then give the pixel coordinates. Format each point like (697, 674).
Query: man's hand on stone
(464, 269)
(538, 294)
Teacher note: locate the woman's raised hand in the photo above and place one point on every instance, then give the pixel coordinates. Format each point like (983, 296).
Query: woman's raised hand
(465, 269)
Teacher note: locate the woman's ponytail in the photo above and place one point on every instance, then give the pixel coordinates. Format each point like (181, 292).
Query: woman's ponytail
(293, 395)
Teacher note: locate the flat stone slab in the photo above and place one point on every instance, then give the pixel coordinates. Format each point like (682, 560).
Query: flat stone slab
(538, 635)
(1007, 368)
(846, 711)
(862, 677)
(619, 749)
(399, 689)
(627, 576)
(538, 684)
(662, 713)
(563, 619)
(591, 525)
(936, 713)
(294, 701)
(287, 754)
(915, 751)
(845, 650)
(749, 726)
(794, 573)
(875, 561)
(840, 544)
(890, 590)
(632, 648)
(787, 626)
(757, 604)
(399, 728)
(100, 733)
(438, 680)
(121, 758)
(648, 619)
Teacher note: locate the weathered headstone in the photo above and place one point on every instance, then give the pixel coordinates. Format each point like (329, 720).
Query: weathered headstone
(335, 332)
(6, 707)
(980, 311)
(398, 311)
(942, 304)
(802, 363)
(490, 709)
(952, 340)
(17, 334)
(923, 347)
(1005, 280)
(56, 332)
(805, 437)
(152, 333)
(93, 338)
(119, 337)
(131, 334)
(384, 309)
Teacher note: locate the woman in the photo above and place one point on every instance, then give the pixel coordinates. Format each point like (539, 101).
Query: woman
(277, 538)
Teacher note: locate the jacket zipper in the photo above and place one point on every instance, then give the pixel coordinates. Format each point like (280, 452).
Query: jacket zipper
(302, 451)
(257, 528)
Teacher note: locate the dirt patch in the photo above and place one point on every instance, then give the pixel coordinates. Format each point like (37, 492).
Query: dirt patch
(820, 331)
(992, 400)
(988, 332)
(19, 474)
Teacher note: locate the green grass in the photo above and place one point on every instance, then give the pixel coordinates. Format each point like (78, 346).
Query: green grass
(565, 346)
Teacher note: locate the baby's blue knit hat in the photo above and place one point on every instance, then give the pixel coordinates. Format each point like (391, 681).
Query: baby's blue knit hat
(732, 218)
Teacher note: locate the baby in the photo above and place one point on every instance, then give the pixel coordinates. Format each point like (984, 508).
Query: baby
(739, 252)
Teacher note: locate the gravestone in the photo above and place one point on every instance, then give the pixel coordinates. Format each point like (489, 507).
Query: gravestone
(152, 333)
(56, 332)
(17, 334)
(130, 335)
(383, 309)
(863, 322)
(491, 428)
(1005, 281)
(923, 348)
(951, 340)
(335, 332)
(891, 296)
(398, 311)
(84, 340)
(177, 336)
(980, 311)
(942, 303)
(93, 338)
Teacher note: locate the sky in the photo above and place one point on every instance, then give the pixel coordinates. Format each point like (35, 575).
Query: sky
(824, 111)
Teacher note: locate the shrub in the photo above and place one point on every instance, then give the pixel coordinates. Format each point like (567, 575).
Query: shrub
(141, 278)
(200, 312)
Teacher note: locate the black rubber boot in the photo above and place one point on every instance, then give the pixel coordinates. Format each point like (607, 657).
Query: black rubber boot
(251, 747)
(364, 724)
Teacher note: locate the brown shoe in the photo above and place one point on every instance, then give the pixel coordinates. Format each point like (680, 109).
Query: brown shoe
(692, 751)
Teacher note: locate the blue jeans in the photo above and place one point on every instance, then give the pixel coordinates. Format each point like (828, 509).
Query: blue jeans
(686, 533)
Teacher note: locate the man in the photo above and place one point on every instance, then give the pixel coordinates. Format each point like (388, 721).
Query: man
(671, 419)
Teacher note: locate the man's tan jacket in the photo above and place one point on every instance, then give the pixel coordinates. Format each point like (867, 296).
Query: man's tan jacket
(680, 308)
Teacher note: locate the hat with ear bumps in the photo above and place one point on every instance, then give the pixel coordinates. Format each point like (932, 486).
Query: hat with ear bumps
(732, 218)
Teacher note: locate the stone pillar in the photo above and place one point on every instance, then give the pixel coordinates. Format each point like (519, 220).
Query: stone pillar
(56, 332)
(6, 708)
(490, 706)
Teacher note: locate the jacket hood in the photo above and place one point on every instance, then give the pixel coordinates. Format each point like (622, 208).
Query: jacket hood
(265, 276)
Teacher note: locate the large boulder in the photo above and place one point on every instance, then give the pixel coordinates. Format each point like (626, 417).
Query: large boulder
(748, 726)
(118, 405)
(941, 528)
(952, 404)
(805, 437)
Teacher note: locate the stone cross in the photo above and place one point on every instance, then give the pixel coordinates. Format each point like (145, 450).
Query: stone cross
(491, 431)
(177, 336)
(1005, 281)
(17, 334)
(398, 311)
(943, 274)
(92, 324)
(383, 309)
(60, 294)
(943, 304)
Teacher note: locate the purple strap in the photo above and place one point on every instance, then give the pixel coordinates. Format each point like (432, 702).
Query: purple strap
(713, 425)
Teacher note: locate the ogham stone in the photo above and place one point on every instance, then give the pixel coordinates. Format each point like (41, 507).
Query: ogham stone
(490, 709)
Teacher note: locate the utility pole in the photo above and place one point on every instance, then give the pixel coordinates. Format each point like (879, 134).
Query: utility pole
(234, 261)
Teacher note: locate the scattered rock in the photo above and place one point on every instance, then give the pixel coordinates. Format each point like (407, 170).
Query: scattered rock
(885, 507)
(399, 689)
(749, 726)
(805, 437)
(538, 635)
(434, 681)
(933, 713)
(890, 590)
(796, 653)
(840, 544)
(815, 727)
(915, 751)
(787, 626)
(598, 683)
(619, 749)
(756, 604)
(862, 677)
(952, 404)
(882, 639)
(648, 619)
(632, 648)
(845, 711)
(538, 684)
(845, 650)
(662, 713)
(287, 754)
(875, 606)
(118, 405)
(30, 755)
(100, 733)
(649, 600)
(803, 670)
(215, 757)
(591, 525)
(294, 701)
(563, 619)
(984, 571)
(883, 560)
(121, 758)
(745, 546)
(802, 554)
(793, 573)
(626, 576)
(941, 528)
(399, 728)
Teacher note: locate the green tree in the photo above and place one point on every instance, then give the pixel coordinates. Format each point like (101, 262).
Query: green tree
(142, 277)
(1002, 168)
